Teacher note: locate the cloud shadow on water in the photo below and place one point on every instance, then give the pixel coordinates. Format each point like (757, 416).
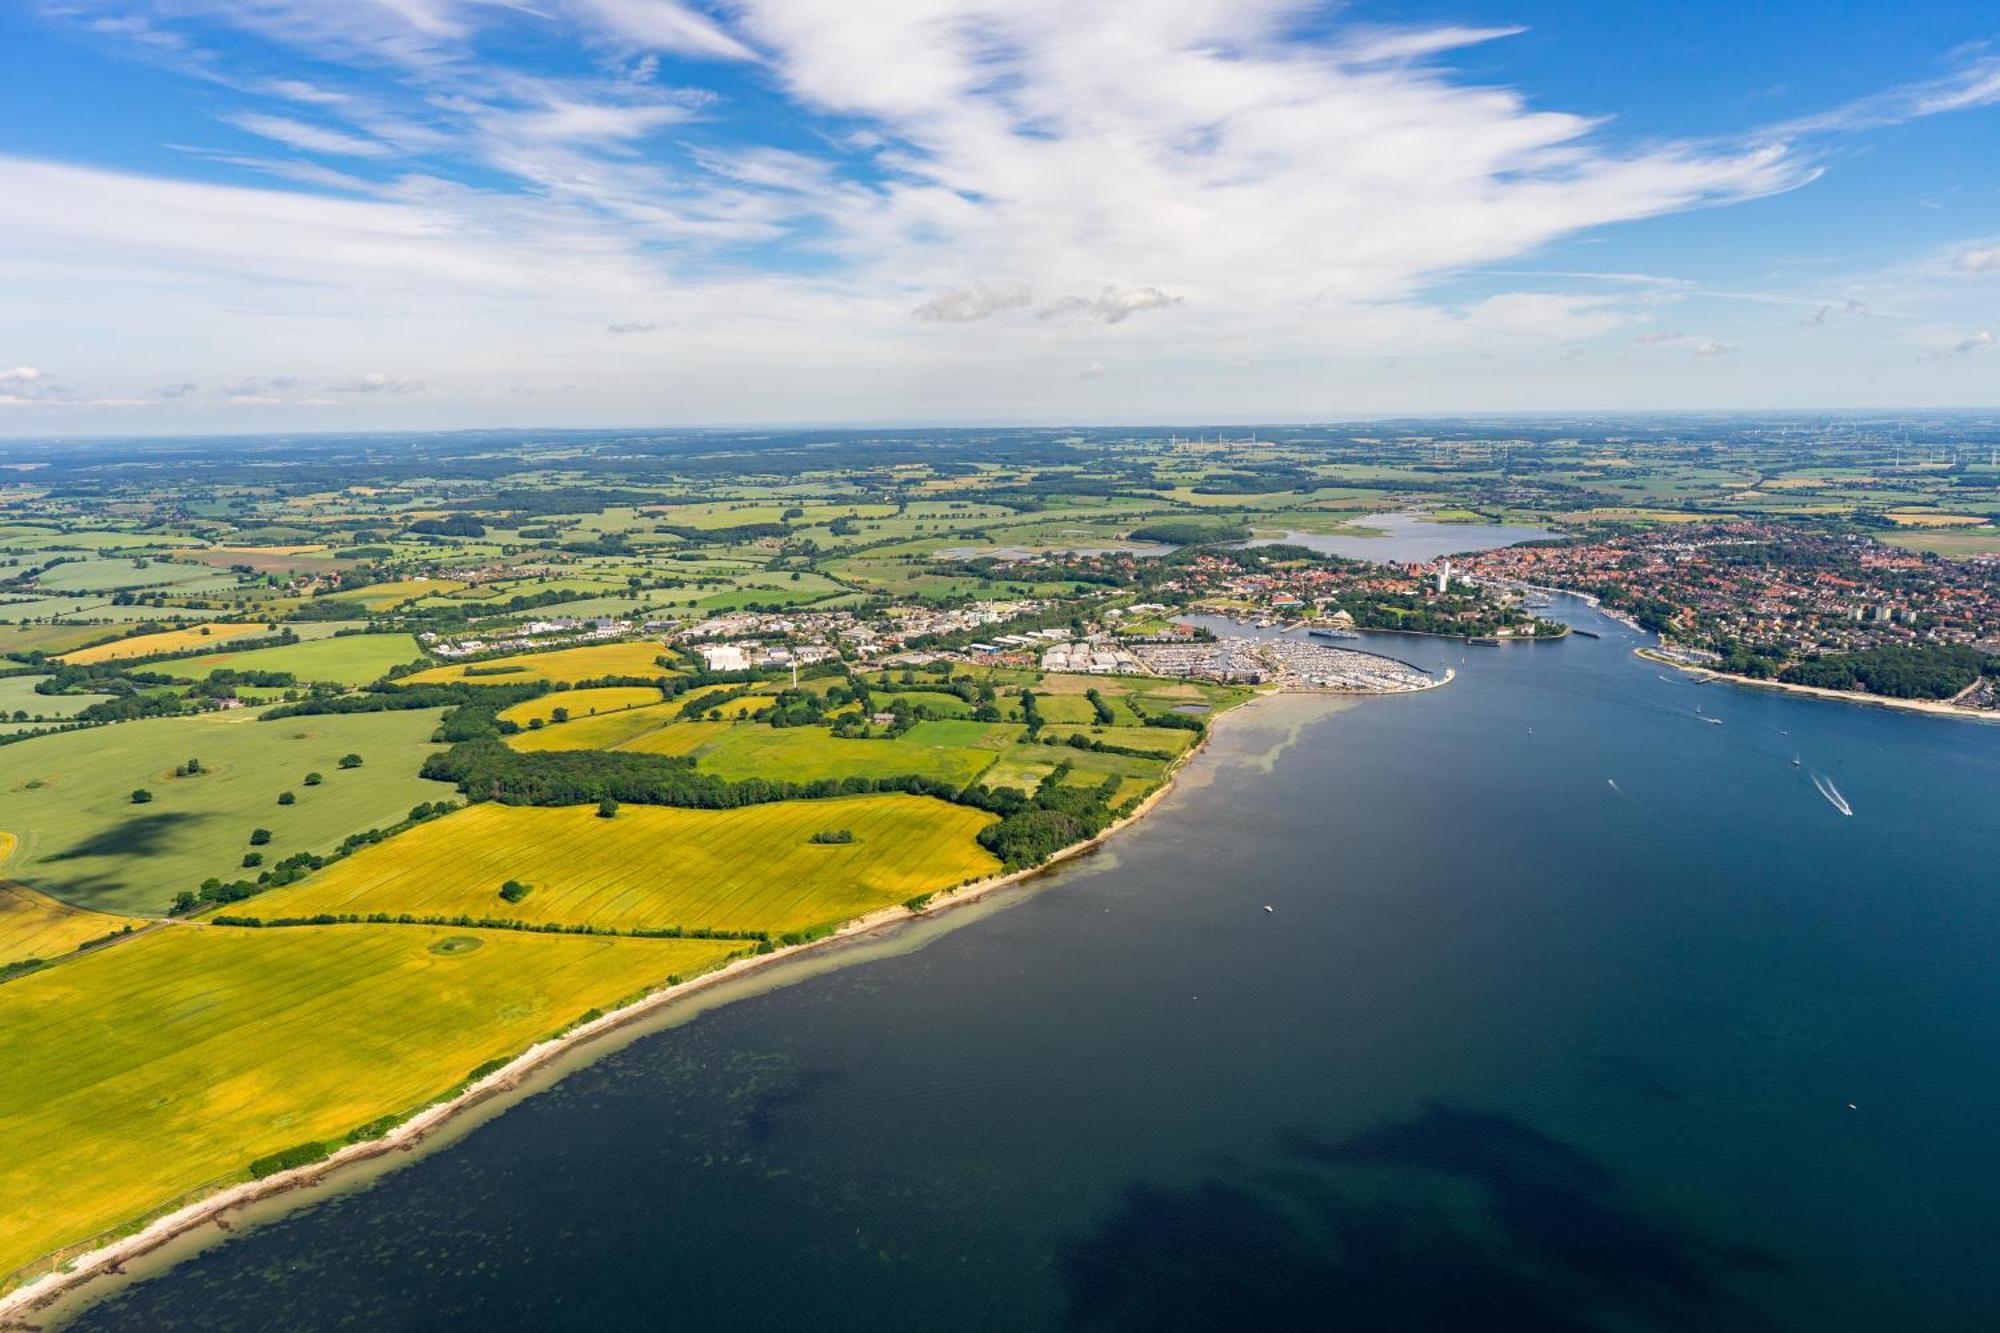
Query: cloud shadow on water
(1451, 1219)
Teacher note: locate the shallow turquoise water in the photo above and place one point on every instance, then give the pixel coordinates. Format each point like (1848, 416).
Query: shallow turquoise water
(1555, 1025)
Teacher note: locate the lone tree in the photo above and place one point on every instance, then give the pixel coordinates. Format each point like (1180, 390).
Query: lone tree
(350, 761)
(260, 836)
(559, 715)
(141, 796)
(607, 808)
(514, 890)
(286, 798)
(314, 779)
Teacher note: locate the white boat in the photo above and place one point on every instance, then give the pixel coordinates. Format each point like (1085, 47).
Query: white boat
(1832, 794)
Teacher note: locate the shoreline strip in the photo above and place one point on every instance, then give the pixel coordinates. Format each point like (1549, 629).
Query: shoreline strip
(1934, 707)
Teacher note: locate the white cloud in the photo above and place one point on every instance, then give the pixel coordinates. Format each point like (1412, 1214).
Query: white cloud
(1190, 148)
(1963, 347)
(301, 90)
(1369, 47)
(572, 121)
(180, 390)
(1290, 203)
(662, 25)
(964, 305)
(1976, 83)
(1110, 306)
(1978, 260)
(1710, 347)
(377, 382)
(308, 138)
(255, 389)
(1826, 312)
(26, 385)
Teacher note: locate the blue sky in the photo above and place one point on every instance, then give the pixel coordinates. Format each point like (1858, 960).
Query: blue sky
(346, 214)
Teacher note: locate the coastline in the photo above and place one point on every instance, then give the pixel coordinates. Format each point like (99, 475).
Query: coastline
(1472, 638)
(107, 1259)
(1935, 707)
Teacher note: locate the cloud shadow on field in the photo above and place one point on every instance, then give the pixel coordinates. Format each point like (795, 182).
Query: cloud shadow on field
(141, 835)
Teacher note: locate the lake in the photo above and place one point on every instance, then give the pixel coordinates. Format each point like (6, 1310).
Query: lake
(1407, 538)
(1573, 1010)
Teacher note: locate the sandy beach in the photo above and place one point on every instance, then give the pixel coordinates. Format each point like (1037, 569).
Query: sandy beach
(1935, 707)
(19, 1305)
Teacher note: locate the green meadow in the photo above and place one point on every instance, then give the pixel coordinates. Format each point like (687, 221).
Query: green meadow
(68, 798)
(350, 659)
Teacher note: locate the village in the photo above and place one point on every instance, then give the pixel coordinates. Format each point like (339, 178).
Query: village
(1775, 588)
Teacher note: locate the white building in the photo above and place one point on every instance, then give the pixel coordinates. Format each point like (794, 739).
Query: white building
(723, 657)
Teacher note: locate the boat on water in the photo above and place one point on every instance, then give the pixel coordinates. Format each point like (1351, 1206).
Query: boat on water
(1832, 794)
(1332, 634)
(1586, 633)
(1485, 641)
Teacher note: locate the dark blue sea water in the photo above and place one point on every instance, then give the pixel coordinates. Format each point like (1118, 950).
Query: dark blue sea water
(1575, 1011)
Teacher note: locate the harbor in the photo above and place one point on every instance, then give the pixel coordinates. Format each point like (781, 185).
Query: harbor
(1310, 664)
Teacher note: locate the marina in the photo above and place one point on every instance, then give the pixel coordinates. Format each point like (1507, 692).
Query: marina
(1291, 664)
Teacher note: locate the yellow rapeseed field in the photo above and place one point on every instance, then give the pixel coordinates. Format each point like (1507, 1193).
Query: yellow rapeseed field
(34, 925)
(606, 731)
(152, 1068)
(581, 704)
(211, 635)
(748, 869)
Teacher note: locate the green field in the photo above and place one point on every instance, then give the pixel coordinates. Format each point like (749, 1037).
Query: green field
(17, 695)
(83, 576)
(68, 798)
(351, 659)
(165, 1064)
(383, 596)
(1953, 543)
(561, 665)
(1155, 740)
(953, 751)
(52, 639)
(753, 868)
(801, 754)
